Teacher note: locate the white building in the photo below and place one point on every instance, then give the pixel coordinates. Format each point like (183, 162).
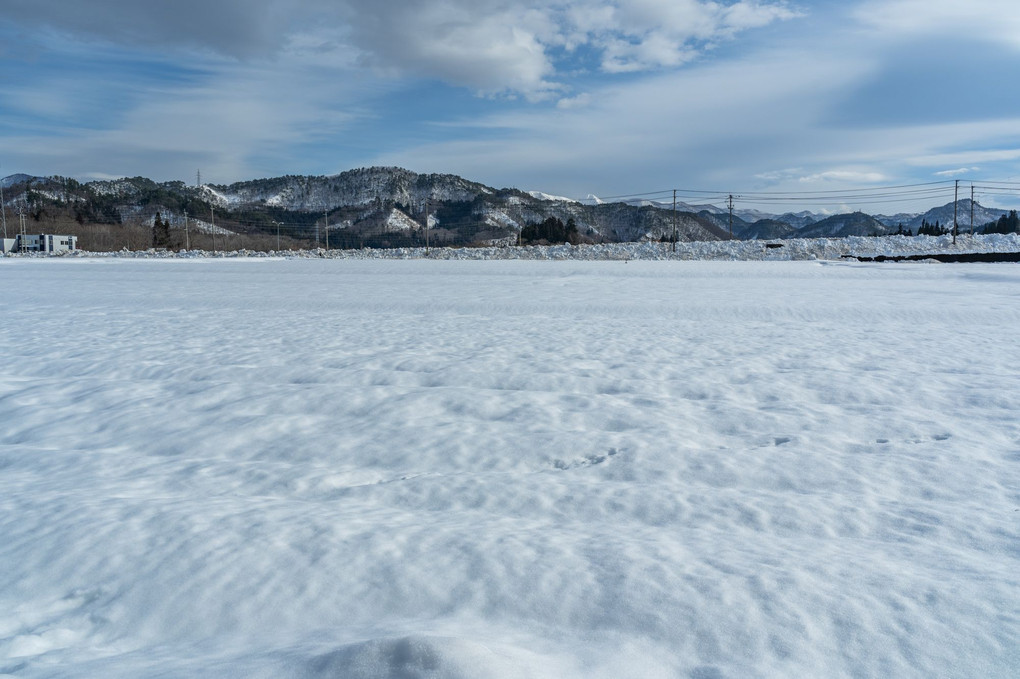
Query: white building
(46, 242)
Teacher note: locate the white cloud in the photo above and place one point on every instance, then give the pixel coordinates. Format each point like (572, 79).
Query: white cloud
(239, 28)
(766, 117)
(997, 20)
(650, 34)
(745, 15)
(679, 126)
(787, 174)
(838, 209)
(956, 172)
(967, 156)
(580, 101)
(511, 45)
(481, 45)
(770, 127)
(845, 177)
(491, 46)
(234, 120)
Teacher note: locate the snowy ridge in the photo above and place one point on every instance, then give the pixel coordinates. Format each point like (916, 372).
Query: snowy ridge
(398, 221)
(218, 198)
(11, 180)
(850, 224)
(354, 187)
(205, 227)
(944, 214)
(114, 187)
(547, 197)
(499, 218)
(362, 200)
(746, 214)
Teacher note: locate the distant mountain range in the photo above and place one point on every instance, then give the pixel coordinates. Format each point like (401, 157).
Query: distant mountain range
(387, 207)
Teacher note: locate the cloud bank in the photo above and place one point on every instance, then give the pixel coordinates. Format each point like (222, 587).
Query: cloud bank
(586, 96)
(515, 47)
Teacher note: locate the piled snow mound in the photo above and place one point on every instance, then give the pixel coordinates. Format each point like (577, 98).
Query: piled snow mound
(780, 250)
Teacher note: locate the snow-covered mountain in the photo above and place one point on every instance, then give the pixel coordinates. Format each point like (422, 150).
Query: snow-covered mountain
(14, 179)
(840, 226)
(768, 229)
(895, 220)
(379, 206)
(746, 214)
(386, 207)
(944, 215)
(723, 221)
(351, 188)
(799, 219)
(539, 195)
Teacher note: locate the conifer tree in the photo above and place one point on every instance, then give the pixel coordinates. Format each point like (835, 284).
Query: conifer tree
(160, 232)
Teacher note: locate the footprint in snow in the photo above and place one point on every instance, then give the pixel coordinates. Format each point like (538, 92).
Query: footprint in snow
(933, 437)
(587, 461)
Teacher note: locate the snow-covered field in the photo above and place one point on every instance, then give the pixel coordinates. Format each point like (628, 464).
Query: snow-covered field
(454, 469)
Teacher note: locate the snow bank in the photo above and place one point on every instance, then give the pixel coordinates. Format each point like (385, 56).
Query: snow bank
(779, 250)
(304, 468)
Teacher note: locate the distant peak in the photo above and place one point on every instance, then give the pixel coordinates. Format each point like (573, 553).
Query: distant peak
(13, 179)
(539, 195)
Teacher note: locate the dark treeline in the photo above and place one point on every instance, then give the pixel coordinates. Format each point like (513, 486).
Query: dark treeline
(1009, 223)
(550, 232)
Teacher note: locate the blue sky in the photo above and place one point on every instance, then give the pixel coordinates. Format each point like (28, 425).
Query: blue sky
(601, 97)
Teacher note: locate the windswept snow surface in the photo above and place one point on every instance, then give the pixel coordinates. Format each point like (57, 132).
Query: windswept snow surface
(446, 469)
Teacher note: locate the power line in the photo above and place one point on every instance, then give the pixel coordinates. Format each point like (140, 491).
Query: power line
(915, 193)
(1002, 183)
(638, 195)
(893, 193)
(862, 201)
(998, 188)
(875, 189)
(997, 194)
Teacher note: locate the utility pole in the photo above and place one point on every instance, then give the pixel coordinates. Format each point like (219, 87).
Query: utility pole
(325, 219)
(3, 206)
(972, 209)
(426, 227)
(277, 235)
(212, 215)
(187, 237)
(731, 215)
(956, 200)
(674, 220)
(23, 242)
